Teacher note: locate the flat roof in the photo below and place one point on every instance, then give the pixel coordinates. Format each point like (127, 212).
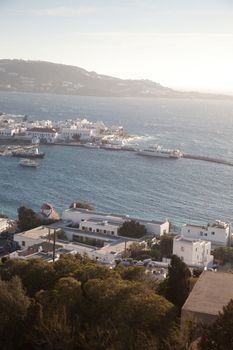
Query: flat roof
(124, 217)
(36, 233)
(190, 239)
(103, 222)
(212, 291)
(100, 236)
(217, 223)
(116, 247)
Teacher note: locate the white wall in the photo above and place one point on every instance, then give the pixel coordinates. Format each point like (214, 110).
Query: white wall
(26, 242)
(77, 216)
(193, 252)
(216, 235)
(105, 228)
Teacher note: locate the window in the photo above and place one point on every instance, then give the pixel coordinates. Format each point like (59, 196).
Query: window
(83, 228)
(213, 233)
(201, 233)
(205, 234)
(105, 231)
(188, 230)
(90, 229)
(97, 230)
(182, 249)
(112, 232)
(23, 243)
(196, 249)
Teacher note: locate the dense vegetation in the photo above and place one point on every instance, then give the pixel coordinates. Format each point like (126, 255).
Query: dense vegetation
(82, 205)
(156, 251)
(223, 255)
(28, 219)
(219, 336)
(78, 304)
(132, 229)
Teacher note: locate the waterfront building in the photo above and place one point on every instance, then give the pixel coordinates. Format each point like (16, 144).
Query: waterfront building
(69, 133)
(194, 252)
(218, 232)
(48, 135)
(110, 223)
(7, 132)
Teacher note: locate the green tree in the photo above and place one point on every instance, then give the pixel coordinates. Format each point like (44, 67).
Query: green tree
(13, 311)
(176, 286)
(35, 274)
(132, 229)
(27, 219)
(223, 255)
(219, 335)
(82, 205)
(166, 246)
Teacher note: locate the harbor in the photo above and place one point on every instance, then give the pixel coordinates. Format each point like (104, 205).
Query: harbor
(23, 151)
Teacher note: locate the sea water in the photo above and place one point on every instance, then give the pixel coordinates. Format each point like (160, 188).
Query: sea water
(122, 182)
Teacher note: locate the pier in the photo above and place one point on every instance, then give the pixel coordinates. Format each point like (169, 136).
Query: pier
(207, 159)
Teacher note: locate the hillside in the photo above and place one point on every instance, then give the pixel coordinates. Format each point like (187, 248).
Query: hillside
(46, 77)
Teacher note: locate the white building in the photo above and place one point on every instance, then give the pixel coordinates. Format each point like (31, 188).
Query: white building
(110, 223)
(106, 251)
(29, 238)
(69, 133)
(193, 252)
(4, 224)
(218, 232)
(43, 134)
(7, 132)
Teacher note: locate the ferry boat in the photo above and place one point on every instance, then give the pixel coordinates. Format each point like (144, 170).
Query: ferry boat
(160, 152)
(30, 154)
(28, 163)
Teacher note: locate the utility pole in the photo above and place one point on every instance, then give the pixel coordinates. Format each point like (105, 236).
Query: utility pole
(54, 244)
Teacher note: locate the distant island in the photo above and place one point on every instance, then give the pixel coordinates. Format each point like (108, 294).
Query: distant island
(46, 77)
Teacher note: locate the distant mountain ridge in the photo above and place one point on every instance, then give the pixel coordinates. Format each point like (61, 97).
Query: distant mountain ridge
(47, 77)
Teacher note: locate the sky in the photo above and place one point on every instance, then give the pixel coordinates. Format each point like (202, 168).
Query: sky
(182, 44)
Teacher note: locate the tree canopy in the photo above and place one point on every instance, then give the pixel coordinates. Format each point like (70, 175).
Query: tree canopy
(176, 286)
(27, 219)
(132, 229)
(219, 335)
(76, 303)
(82, 205)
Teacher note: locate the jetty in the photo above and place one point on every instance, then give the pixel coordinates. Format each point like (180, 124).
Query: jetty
(207, 159)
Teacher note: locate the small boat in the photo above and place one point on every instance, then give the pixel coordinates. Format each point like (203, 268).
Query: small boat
(28, 163)
(30, 154)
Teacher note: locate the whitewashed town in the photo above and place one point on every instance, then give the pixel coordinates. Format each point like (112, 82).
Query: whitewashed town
(21, 129)
(99, 235)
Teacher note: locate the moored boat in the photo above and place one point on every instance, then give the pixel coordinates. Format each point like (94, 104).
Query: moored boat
(30, 154)
(160, 152)
(28, 163)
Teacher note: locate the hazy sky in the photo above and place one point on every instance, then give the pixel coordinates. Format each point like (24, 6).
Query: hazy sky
(185, 44)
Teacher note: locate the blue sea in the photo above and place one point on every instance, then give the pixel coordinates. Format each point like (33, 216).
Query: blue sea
(123, 182)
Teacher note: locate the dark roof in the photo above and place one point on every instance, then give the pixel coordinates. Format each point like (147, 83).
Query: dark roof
(212, 291)
(48, 130)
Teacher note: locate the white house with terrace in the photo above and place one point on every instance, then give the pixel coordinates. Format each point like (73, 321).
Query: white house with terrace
(218, 232)
(109, 224)
(194, 252)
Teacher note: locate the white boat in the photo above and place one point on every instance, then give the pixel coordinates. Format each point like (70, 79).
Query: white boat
(28, 163)
(160, 152)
